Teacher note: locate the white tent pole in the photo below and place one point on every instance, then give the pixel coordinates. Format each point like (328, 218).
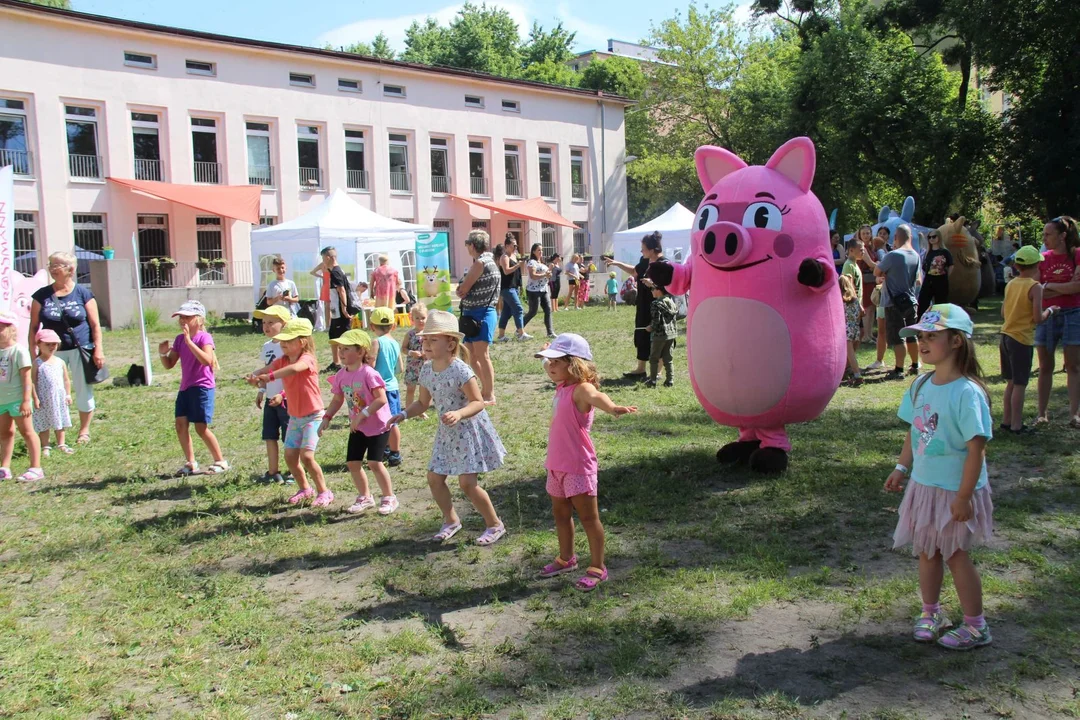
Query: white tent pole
(142, 318)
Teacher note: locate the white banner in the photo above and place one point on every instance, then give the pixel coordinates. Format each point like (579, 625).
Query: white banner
(7, 236)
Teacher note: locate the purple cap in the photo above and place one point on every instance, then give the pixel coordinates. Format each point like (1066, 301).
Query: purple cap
(570, 344)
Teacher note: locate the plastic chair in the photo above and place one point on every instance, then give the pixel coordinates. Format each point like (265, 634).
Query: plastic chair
(401, 317)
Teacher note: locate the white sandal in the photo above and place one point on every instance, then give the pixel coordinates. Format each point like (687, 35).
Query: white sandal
(218, 467)
(188, 469)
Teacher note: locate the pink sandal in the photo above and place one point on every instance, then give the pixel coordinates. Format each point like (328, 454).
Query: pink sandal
(32, 475)
(323, 499)
(592, 577)
(558, 567)
(491, 535)
(301, 496)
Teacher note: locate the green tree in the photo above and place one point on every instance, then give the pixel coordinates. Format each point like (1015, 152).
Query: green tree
(379, 48)
(615, 75)
(544, 46)
(551, 72)
(478, 38)
(427, 43)
(62, 4)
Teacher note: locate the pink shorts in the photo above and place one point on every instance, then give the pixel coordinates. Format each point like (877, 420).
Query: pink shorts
(566, 485)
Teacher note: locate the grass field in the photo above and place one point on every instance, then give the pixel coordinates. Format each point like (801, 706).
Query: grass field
(126, 593)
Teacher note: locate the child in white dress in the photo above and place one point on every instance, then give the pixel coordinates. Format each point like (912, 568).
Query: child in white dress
(52, 383)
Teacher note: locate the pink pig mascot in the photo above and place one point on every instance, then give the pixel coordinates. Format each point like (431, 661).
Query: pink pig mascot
(766, 325)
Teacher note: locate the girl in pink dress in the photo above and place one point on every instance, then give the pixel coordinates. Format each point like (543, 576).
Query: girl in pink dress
(571, 459)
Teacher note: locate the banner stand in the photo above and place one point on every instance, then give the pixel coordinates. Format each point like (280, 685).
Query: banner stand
(142, 319)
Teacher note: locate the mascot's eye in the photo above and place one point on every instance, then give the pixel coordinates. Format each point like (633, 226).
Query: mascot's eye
(706, 216)
(764, 216)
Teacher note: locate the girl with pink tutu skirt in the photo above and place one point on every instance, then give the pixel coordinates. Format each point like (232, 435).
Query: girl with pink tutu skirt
(946, 508)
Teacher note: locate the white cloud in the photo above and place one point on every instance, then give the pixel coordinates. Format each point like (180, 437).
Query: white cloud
(590, 36)
(394, 27)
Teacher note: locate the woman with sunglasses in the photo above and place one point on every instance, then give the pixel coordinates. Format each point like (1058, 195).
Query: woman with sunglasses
(936, 267)
(1061, 286)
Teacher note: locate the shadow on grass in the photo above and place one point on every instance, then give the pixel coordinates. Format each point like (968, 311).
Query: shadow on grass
(346, 562)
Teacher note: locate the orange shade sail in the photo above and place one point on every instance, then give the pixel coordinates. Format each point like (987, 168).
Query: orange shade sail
(532, 209)
(240, 202)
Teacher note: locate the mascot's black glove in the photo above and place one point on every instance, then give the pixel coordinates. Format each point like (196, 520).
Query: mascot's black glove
(661, 273)
(811, 273)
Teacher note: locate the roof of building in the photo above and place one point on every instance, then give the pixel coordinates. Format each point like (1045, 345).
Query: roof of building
(73, 15)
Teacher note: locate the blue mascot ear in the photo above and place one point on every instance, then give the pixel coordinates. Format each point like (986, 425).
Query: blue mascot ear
(885, 214)
(908, 210)
(832, 218)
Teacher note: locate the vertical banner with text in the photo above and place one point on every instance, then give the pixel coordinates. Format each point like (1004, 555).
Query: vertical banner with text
(7, 236)
(433, 270)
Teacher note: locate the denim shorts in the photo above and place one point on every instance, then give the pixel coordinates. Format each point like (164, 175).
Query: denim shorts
(196, 404)
(275, 422)
(393, 401)
(1062, 328)
(303, 432)
(487, 318)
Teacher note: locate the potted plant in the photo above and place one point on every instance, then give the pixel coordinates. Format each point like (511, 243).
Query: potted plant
(108, 252)
(218, 262)
(164, 263)
(202, 264)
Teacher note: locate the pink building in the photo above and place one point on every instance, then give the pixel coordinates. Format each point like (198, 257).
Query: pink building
(84, 98)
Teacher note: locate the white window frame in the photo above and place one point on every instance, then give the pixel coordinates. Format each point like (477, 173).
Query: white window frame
(209, 71)
(269, 135)
(578, 159)
(474, 101)
(387, 92)
(513, 106)
(132, 62)
(394, 142)
(305, 132)
(362, 142)
(516, 154)
(347, 88)
(91, 119)
(26, 220)
(267, 220)
(296, 79)
(22, 114)
(81, 222)
(548, 152)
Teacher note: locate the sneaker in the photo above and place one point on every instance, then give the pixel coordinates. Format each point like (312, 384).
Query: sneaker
(332, 368)
(388, 504)
(895, 374)
(301, 496)
(5, 473)
(650, 383)
(363, 502)
(876, 365)
(551, 335)
(266, 479)
(966, 637)
(914, 369)
(502, 339)
(524, 336)
(669, 383)
(929, 626)
(393, 459)
(323, 499)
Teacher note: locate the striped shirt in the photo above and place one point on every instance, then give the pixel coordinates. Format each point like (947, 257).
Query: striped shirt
(485, 291)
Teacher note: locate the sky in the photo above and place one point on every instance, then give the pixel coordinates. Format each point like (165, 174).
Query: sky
(341, 22)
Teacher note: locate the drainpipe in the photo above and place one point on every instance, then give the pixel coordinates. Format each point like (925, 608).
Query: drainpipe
(603, 173)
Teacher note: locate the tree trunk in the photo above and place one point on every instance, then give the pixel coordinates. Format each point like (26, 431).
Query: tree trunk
(965, 77)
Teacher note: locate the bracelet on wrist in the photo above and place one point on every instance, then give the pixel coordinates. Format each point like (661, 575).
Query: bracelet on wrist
(903, 468)
(366, 412)
(327, 417)
(271, 376)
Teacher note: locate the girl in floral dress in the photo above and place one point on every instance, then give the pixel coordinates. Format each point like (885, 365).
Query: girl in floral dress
(466, 443)
(413, 352)
(52, 383)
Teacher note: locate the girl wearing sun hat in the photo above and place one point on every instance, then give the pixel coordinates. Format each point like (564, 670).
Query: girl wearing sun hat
(466, 443)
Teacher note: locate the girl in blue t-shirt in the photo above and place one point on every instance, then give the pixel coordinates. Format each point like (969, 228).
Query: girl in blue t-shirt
(947, 506)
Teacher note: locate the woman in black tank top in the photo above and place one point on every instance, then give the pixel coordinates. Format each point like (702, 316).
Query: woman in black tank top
(510, 289)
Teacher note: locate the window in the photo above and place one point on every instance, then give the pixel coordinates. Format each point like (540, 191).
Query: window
(511, 106)
(548, 238)
(14, 146)
(446, 226)
(577, 175)
(144, 132)
(480, 225)
(154, 246)
(513, 171)
(307, 143)
(477, 181)
(547, 173)
(581, 238)
(517, 229)
(204, 150)
(208, 242)
(393, 91)
(260, 172)
(83, 158)
(346, 85)
(408, 271)
(355, 169)
(140, 60)
(399, 163)
(474, 101)
(198, 67)
(267, 220)
(440, 166)
(90, 237)
(301, 80)
(26, 258)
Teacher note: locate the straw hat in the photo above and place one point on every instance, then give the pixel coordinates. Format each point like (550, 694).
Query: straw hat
(440, 322)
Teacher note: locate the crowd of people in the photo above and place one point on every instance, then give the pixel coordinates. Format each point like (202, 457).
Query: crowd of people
(445, 364)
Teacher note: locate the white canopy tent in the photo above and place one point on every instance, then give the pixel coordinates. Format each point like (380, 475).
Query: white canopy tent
(359, 235)
(675, 225)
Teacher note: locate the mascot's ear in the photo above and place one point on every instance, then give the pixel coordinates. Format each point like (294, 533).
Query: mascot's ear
(884, 215)
(908, 210)
(715, 163)
(796, 160)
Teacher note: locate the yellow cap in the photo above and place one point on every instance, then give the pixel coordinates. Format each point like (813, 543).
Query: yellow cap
(274, 312)
(382, 316)
(295, 328)
(359, 338)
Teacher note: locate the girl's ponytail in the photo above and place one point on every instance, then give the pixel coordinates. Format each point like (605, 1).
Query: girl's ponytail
(1067, 225)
